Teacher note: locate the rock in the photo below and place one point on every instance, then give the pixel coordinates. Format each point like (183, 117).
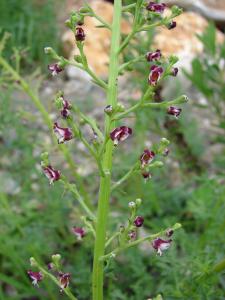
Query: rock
(182, 40)
(8, 184)
(97, 42)
(212, 9)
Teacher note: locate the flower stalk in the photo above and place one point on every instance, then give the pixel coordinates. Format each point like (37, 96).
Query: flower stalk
(105, 182)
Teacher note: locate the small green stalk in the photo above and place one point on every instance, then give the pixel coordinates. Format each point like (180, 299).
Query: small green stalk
(104, 191)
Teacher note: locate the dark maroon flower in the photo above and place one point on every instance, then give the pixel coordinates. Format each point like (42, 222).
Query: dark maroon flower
(146, 175)
(156, 7)
(174, 111)
(132, 235)
(79, 34)
(120, 134)
(174, 72)
(65, 112)
(153, 56)
(166, 152)
(155, 74)
(64, 280)
(55, 69)
(35, 277)
(172, 25)
(146, 157)
(79, 232)
(51, 174)
(161, 245)
(50, 266)
(169, 232)
(138, 222)
(62, 134)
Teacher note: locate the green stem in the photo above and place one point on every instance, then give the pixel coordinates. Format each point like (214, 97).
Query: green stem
(125, 177)
(55, 280)
(104, 190)
(139, 241)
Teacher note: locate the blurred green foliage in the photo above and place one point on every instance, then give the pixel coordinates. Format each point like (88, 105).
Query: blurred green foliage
(33, 25)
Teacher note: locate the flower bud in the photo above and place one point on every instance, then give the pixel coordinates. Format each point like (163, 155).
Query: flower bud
(79, 34)
(55, 69)
(132, 204)
(48, 50)
(153, 56)
(79, 232)
(84, 10)
(172, 25)
(169, 232)
(174, 72)
(138, 202)
(108, 110)
(174, 111)
(56, 258)
(33, 262)
(138, 222)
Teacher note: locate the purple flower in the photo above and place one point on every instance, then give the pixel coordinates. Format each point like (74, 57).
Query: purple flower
(55, 69)
(172, 25)
(79, 34)
(65, 112)
(146, 175)
(156, 7)
(51, 174)
(35, 277)
(50, 266)
(79, 232)
(174, 72)
(146, 157)
(138, 222)
(174, 111)
(161, 245)
(62, 134)
(155, 74)
(132, 235)
(151, 56)
(64, 280)
(120, 134)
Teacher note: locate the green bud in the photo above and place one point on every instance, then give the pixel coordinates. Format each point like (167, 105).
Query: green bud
(120, 107)
(164, 142)
(138, 202)
(56, 259)
(132, 205)
(68, 24)
(48, 50)
(78, 58)
(84, 10)
(33, 262)
(44, 159)
(173, 59)
(176, 10)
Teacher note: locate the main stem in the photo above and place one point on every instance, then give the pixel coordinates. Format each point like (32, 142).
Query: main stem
(105, 181)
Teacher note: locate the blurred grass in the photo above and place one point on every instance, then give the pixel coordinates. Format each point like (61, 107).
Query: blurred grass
(33, 25)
